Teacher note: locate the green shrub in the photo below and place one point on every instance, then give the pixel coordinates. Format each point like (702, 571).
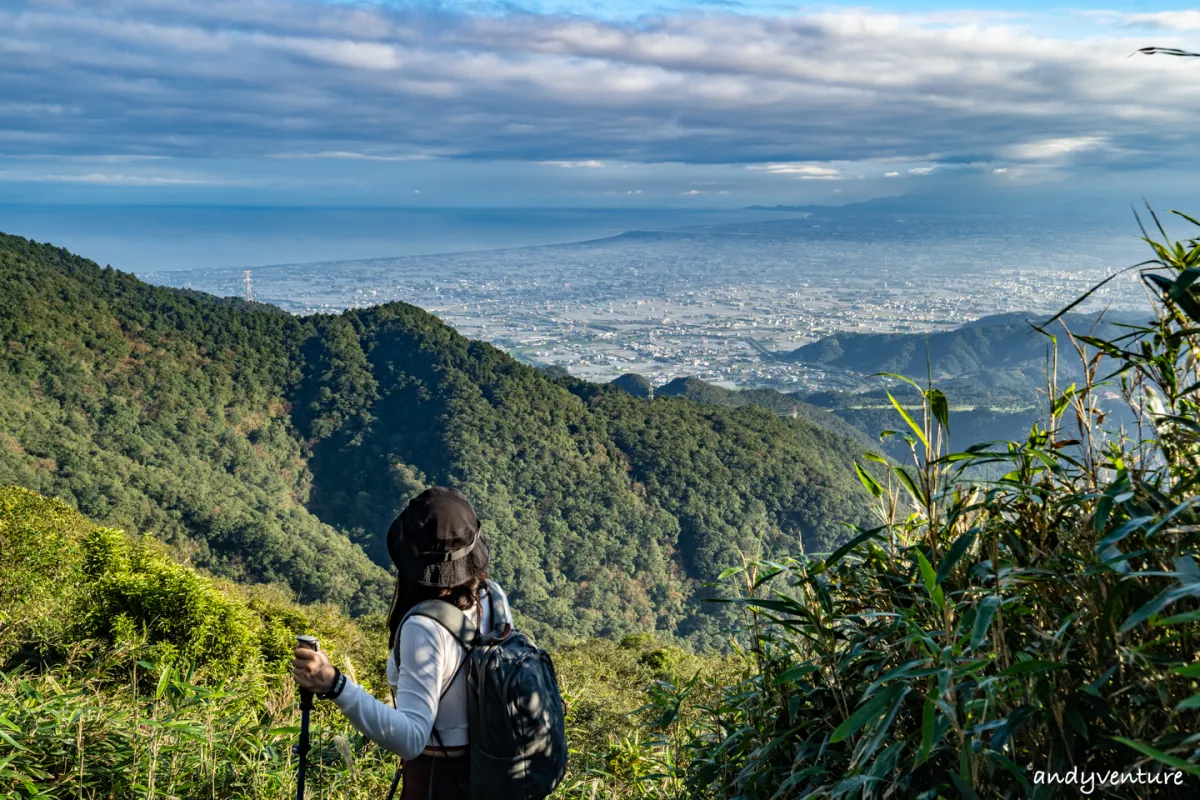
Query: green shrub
(621, 726)
(135, 590)
(40, 556)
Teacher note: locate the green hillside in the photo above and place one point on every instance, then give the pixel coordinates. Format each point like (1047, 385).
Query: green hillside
(1002, 342)
(861, 416)
(125, 674)
(785, 405)
(270, 448)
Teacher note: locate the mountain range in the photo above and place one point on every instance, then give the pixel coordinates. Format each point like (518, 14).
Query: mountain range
(993, 371)
(271, 448)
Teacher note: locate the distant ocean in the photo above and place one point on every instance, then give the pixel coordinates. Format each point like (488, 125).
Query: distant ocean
(144, 239)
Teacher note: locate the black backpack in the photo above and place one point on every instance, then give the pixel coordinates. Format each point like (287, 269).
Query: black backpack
(515, 713)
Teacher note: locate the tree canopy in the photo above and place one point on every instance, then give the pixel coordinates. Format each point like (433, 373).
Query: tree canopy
(266, 447)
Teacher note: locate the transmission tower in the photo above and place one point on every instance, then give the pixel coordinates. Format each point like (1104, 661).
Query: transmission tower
(247, 291)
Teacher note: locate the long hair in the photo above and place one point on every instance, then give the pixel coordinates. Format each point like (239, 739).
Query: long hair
(464, 597)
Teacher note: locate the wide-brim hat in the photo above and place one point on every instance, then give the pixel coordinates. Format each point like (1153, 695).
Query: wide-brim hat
(436, 540)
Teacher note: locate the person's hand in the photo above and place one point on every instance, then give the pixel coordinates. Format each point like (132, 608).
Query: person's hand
(312, 670)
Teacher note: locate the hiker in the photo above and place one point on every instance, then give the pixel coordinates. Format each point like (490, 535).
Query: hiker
(449, 623)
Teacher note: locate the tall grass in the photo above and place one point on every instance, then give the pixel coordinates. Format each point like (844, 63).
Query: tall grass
(106, 723)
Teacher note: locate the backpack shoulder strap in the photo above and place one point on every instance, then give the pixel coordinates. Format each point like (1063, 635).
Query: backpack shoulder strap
(461, 627)
(501, 616)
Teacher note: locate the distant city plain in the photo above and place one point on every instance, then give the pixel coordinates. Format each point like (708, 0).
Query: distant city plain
(714, 295)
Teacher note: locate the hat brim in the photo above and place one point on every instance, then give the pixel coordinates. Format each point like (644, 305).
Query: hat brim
(446, 574)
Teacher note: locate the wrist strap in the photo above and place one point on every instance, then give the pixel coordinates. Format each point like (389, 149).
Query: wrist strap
(339, 683)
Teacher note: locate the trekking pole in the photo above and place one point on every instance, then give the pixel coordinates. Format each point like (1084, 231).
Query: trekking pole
(306, 704)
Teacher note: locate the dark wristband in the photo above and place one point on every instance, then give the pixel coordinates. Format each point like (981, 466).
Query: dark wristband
(339, 683)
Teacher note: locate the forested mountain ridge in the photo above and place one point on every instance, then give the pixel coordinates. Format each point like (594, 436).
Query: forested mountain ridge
(266, 447)
(164, 411)
(1003, 341)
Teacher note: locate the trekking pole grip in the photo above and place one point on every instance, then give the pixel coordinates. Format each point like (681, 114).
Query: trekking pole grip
(306, 697)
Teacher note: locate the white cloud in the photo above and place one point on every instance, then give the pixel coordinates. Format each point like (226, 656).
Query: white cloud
(350, 156)
(1050, 149)
(806, 172)
(589, 164)
(891, 175)
(1167, 20)
(999, 170)
(920, 170)
(357, 55)
(114, 179)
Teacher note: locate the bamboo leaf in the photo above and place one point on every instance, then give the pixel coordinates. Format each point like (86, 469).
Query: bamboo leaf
(983, 618)
(729, 572)
(908, 437)
(868, 482)
(1123, 530)
(163, 681)
(940, 407)
(927, 573)
(964, 788)
(1031, 666)
(904, 378)
(11, 741)
(911, 486)
(1164, 599)
(907, 418)
(870, 711)
(927, 719)
(793, 674)
(1061, 402)
(1158, 755)
(871, 746)
(1191, 702)
(1178, 619)
(957, 550)
(838, 554)
(930, 579)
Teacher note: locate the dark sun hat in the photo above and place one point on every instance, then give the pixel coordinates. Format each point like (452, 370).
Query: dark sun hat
(436, 541)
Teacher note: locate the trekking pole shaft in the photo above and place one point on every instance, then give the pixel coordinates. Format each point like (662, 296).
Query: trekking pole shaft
(306, 704)
(305, 708)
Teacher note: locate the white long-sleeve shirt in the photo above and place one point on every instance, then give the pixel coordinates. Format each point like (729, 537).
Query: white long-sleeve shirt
(430, 658)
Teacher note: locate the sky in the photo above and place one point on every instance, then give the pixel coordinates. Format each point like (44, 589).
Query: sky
(680, 103)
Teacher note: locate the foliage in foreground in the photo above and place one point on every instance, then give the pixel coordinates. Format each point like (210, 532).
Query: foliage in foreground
(125, 674)
(988, 635)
